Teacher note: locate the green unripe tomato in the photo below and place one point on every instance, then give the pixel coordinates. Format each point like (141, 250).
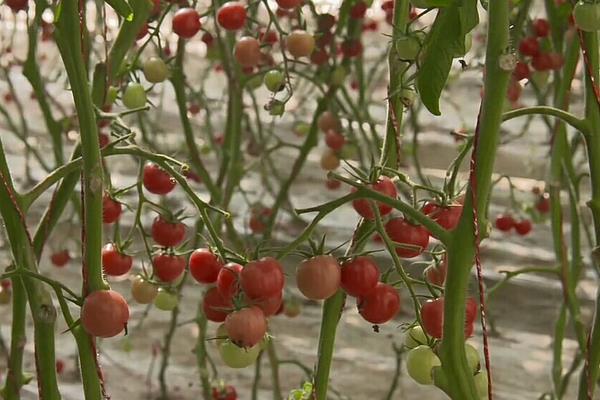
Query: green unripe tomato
(134, 96)
(407, 96)
(409, 46)
(274, 80)
(481, 383)
(587, 16)
(420, 363)
(254, 82)
(277, 108)
(165, 301)
(415, 337)
(221, 335)
(301, 129)
(156, 70)
(237, 357)
(338, 76)
(472, 357)
(111, 94)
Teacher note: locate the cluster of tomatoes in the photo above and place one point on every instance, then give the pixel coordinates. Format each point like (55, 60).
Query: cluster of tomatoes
(506, 222)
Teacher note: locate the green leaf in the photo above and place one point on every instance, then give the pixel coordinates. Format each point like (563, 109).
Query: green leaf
(122, 8)
(445, 40)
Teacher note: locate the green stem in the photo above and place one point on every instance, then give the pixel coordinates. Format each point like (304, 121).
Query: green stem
(201, 354)
(274, 370)
(14, 376)
(565, 116)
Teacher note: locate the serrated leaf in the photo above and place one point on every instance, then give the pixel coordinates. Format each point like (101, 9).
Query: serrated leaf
(445, 41)
(122, 8)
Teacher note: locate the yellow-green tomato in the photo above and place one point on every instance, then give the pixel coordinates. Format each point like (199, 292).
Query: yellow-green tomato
(155, 70)
(237, 357)
(472, 357)
(273, 80)
(301, 129)
(134, 96)
(420, 363)
(409, 46)
(415, 337)
(143, 291)
(165, 300)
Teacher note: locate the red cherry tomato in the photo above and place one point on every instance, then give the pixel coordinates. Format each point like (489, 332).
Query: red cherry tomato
(351, 48)
(111, 209)
(271, 305)
(168, 267)
(232, 15)
(505, 223)
(318, 278)
(156, 180)
(436, 274)
(60, 258)
(523, 227)
(186, 22)
(333, 184)
(521, 71)
(104, 313)
(543, 203)
(226, 393)
(380, 305)
(542, 62)
(262, 278)
(228, 280)
(448, 217)
(334, 140)
(259, 218)
(529, 46)
(513, 93)
(17, 5)
(215, 307)
(205, 266)
(412, 239)
(167, 234)
(358, 10)
(115, 263)
(288, 4)
(432, 316)
(541, 27)
(384, 186)
(359, 276)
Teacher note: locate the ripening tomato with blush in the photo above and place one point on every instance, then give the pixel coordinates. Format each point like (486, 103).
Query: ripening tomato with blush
(142, 291)
(328, 121)
(156, 180)
(168, 267)
(411, 240)
(318, 278)
(261, 279)
(247, 51)
(246, 327)
(167, 233)
(380, 305)
(114, 262)
(300, 43)
(359, 276)
(104, 313)
(205, 266)
(363, 207)
(334, 140)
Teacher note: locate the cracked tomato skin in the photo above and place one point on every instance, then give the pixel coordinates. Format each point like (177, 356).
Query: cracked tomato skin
(262, 278)
(104, 313)
(414, 237)
(384, 186)
(380, 305)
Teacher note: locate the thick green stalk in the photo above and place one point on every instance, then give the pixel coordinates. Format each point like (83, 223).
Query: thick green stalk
(274, 361)
(461, 249)
(18, 338)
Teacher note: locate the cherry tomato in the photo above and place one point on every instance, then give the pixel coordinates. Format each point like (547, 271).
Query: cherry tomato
(143, 291)
(259, 218)
(529, 46)
(329, 160)
(232, 15)
(60, 366)
(156, 180)
(228, 280)
(359, 276)
(274, 80)
(351, 48)
(543, 203)
(415, 337)
(318, 278)
(325, 22)
(420, 363)
(269, 306)
(542, 62)
(165, 300)
(288, 4)
(334, 140)
(134, 96)
(436, 274)
(521, 71)
(247, 51)
(205, 266)
(380, 305)
(505, 222)
(155, 70)
(186, 22)
(587, 16)
(246, 327)
(448, 217)
(237, 357)
(513, 93)
(412, 239)
(168, 267)
(60, 258)
(17, 5)
(215, 306)
(104, 313)
(358, 10)
(262, 278)
(523, 227)
(328, 121)
(541, 27)
(115, 263)
(111, 209)
(385, 186)
(432, 316)
(224, 393)
(166, 233)
(300, 44)
(292, 308)
(556, 61)
(333, 184)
